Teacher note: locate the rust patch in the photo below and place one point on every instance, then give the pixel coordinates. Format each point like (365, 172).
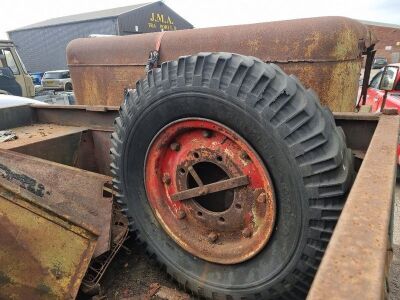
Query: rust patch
(23, 181)
(34, 264)
(83, 204)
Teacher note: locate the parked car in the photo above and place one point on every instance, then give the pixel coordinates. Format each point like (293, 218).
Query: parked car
(57, 80)
(37, 77)
(379, 62)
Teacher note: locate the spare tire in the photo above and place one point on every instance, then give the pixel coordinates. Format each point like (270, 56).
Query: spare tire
(232, 174)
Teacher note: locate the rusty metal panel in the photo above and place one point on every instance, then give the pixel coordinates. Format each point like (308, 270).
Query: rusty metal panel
(37, 133)
(325, 53)
(16, 116)
(353, 266)
(42, 255)
(358, 128)
(72, 193)
(102, 146)
(94, 117)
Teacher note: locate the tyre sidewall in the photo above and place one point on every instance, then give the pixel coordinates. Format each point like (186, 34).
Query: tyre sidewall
(279, 257)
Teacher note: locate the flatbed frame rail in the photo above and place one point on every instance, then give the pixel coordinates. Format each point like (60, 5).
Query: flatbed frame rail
(354, 264)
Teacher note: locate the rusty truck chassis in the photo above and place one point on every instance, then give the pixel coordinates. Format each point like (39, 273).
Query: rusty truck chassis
(58, 169)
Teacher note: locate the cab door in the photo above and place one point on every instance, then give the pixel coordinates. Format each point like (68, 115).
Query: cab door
(393, 97)
(11, 60)
(374, 95)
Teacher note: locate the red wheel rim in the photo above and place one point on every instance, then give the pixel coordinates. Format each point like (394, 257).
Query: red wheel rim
(210, 191)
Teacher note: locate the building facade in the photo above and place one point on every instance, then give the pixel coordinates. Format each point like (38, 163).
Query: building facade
(388, 36)
(42, 45)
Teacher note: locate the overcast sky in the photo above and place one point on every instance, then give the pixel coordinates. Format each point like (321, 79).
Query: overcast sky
(206, 13)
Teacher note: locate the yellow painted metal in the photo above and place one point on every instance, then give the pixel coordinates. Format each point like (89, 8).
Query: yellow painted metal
(42, 255)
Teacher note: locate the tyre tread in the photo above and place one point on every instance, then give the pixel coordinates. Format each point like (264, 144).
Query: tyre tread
(307, 128)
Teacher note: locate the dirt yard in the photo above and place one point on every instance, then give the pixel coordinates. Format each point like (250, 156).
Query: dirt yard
(133, 276)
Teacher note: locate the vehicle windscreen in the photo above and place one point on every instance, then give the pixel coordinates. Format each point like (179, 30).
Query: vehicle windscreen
(380, 60)
(56, 75)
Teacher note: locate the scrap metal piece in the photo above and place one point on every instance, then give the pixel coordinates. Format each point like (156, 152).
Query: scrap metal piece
(7, 135)
(71, 192)
(166, 293)
(99, 265)
(43, 255)
(157, 291)
(53, 220)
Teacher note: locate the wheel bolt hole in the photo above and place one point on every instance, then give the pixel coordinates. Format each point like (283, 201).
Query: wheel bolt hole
(196, 155)
(199, 213)
(219, 158)
(221, 219)
(182, 171)
(238, 206)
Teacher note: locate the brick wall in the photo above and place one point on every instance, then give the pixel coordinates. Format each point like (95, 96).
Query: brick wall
(387, 37)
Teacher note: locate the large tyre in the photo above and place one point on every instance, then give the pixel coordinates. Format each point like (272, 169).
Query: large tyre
(285, 131)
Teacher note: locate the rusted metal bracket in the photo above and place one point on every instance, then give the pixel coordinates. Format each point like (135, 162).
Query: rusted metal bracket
(215, 187)
(368, 65)
(98, 266)
(154, 55)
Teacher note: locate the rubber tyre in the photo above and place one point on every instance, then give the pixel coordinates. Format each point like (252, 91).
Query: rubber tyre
(297, 139)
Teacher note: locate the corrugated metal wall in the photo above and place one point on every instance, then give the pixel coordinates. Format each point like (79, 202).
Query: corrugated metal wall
(43, 49)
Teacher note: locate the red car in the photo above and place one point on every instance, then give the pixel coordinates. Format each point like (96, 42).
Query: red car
(375, 95)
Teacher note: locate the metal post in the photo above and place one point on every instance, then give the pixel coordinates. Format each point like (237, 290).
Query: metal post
(368, 64)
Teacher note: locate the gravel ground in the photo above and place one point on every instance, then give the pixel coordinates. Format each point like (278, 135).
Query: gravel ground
(132, 273)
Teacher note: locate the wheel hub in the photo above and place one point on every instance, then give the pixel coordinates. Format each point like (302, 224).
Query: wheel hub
(210, 191)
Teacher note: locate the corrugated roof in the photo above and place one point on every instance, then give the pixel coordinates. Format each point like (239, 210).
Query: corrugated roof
(379, 24)
(100, 14)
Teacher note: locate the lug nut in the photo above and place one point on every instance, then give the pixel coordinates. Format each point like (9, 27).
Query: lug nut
(261, 198)
(212, 237)
(166, 179)
(175, 146)
(181, 214)
(247, 232)
(207, 133)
